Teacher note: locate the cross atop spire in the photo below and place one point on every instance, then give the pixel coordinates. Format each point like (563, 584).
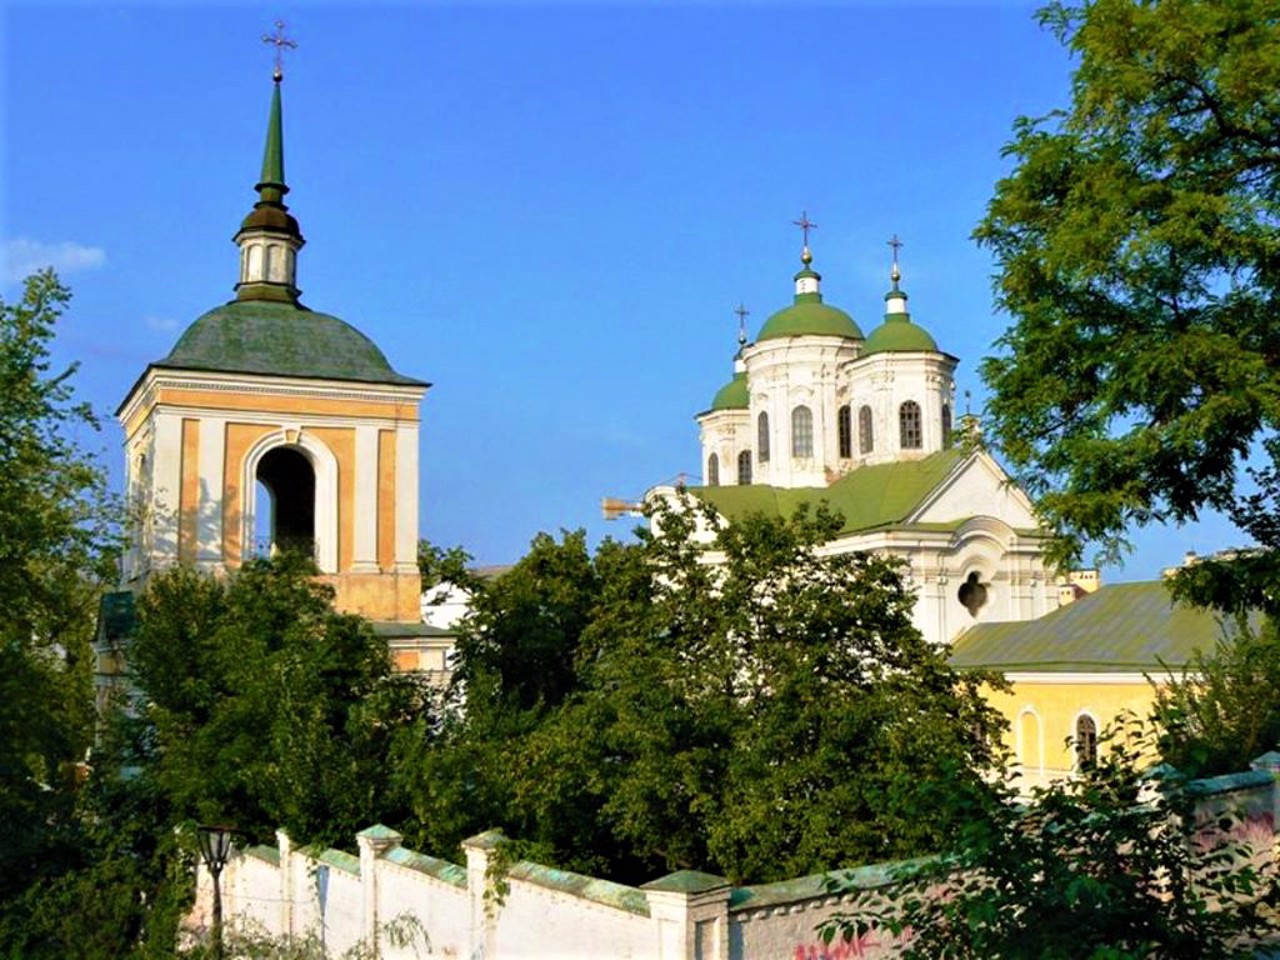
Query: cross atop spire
(269, 238)
(805, 225)
(281, 43)
(895, 274)
(742, 313)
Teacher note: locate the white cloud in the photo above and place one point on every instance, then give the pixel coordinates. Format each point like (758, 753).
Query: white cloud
(160, 324)
(23, 256)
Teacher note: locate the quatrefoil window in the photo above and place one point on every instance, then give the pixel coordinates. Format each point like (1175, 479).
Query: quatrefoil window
(973, 593)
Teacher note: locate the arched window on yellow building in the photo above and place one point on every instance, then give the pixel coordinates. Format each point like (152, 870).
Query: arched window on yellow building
(1086, 742)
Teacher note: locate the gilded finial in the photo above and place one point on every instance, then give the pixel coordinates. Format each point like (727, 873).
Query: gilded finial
(894, 273)
(805, 225)
(281, 43)
(742, 313)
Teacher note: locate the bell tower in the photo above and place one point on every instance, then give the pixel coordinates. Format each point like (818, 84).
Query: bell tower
(271, 426)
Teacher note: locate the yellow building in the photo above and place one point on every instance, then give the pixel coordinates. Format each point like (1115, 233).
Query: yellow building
(1077, 669)
(272, 426)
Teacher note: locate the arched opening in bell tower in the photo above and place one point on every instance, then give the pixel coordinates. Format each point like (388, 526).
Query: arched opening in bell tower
(288, 522)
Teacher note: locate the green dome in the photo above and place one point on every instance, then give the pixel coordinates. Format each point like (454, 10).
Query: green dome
(899, 335)
(280, 339)
(733, 395)
(809, 316)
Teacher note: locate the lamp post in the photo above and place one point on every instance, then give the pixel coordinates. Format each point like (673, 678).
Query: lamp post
(215, 847)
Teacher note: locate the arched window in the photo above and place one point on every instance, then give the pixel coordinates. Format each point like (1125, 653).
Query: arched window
(1086, 742)
(289, 482)
(762, 437)
(744, 468)
(946, 424)
(909, 425)
(1028, 734)
(866, 434)
(844, 431)
(801, 432)
(280, 485)
(713, 471)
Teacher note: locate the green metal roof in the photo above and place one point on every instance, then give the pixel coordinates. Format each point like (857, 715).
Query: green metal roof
(899, 335)
(280, 339)
(868, 497)
(809, 316)
(733, 395)
(1123, 628)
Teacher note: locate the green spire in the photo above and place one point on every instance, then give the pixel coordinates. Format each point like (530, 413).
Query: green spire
(263, 278)
(272, 187)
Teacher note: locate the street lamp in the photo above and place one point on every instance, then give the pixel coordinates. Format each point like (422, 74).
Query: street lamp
(215, 847)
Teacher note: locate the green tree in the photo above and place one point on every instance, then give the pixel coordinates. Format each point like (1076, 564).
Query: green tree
(264, 708)
(1137, 245)
(767, 714)
(773, 713)
(1113, 865)
(438, 566)
(1223, 711)
(55, 551)
(515, 663)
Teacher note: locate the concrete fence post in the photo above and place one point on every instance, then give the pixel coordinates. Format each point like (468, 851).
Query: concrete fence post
(484, 910)
(374, 843)
(1270, 762)
(691, 912)
(287, 886)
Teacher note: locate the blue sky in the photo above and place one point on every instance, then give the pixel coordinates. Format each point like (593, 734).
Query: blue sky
(548, 211)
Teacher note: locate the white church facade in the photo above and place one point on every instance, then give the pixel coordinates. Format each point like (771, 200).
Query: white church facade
(818, 412)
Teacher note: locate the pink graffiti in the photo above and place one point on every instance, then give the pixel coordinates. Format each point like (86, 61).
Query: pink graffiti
(860, 946)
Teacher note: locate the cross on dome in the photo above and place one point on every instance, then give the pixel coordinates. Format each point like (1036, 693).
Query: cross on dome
(805, 225)
(895, 274)
(742, 313)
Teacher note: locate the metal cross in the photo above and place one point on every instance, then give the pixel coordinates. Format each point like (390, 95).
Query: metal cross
(280, 42)
(897, 245)
(742, 313)
(805, 225)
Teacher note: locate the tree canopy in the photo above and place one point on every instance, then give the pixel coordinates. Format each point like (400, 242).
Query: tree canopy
(762, 711)
(1137, 246)
(264, 708)
(55, 550)
(1222, 711)
(1115, 864)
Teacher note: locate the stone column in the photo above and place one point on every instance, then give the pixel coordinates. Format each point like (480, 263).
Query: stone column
(365, 553)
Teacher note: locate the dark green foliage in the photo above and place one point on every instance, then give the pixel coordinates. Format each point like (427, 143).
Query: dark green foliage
(437, 566)
(522, 637)
(56, 540)
(1244, 581)
(1137, 244)
(516, 661)
(1224, 710)
(1110, 866)
(642, 710)
(265, 708)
